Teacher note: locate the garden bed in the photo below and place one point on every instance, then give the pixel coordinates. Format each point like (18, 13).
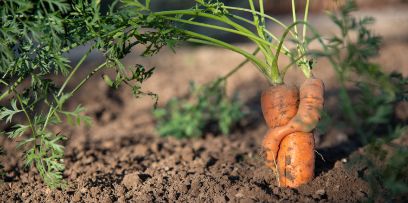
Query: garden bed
(121, 157)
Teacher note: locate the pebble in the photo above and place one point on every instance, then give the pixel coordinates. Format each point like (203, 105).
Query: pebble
(320, 192)
(131, 180)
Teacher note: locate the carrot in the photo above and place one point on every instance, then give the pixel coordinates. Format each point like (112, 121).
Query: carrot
(305, 120)
(279, 104)
(296, 159)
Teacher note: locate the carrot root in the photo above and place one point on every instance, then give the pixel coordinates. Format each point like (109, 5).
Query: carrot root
(296, 159)
(288, 144)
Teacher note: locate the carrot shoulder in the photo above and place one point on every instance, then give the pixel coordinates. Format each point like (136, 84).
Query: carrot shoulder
(279, 104)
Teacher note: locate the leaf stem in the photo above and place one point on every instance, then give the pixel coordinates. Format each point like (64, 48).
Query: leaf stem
(263, 15)
(20, 101)
(11, 89)
(305, 20)
(74, 71)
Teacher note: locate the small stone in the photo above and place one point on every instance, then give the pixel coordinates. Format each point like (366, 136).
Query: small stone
(239, 195)
(140, 150)
(122, 199)
(131, 180)
(320, 192)
(76, 197)
(344, 160)
(82, 190)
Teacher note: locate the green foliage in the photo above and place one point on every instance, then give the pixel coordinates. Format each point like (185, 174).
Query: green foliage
(377, 91)
(386, 164)
(371, 112)
(203, 107)
(35, 38)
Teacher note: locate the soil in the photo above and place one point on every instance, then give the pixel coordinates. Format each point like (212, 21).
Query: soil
(120, 158)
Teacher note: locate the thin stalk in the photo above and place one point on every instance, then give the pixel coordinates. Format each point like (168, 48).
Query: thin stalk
(52, 109)
(306, 71)
(285, 69)
(11, 89)
(74, 71)
(262, 67)
(239, 66)
(223, 19)
(256, 19)
(265, 30)
(305, 20)
(26, 114)
(294, 15)
(261, 9)
(260, 29)
(87, 78)
(266, 16)
(251, 37)
(202, 39)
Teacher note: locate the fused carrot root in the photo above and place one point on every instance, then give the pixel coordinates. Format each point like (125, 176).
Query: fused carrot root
(296, 159)
(279, 104)
(305, 120)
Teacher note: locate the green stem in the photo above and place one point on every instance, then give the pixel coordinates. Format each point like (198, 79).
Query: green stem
(11, 89)
(87, 78)
(52, 109)
(260, 29)
(74, 71)
(198, 38)
(26, 114)
(263, 15)
(238, 66)
(251, 37)
(286, 52)
(305, 20)
(285, 69)
(261, 9)
(222, 19)
(262, 67)
(294, 16)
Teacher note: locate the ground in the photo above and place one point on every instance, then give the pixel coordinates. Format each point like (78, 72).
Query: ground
(121, 158)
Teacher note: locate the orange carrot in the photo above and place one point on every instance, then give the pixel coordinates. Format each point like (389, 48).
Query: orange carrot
(296, 159)
(305, 120)
(279, 104)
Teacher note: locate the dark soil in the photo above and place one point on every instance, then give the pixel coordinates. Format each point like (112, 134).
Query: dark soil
(121, 159)
(143, 167)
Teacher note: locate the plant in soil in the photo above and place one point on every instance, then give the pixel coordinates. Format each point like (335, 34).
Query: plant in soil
(36, 38)
(286, 109)
(369, 106)
(206, 108)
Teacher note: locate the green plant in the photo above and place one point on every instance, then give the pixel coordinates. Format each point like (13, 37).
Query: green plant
(370, 108)
(203, 107)
(35, 38)
(269, 45)
(376, 91)
(173, 118)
